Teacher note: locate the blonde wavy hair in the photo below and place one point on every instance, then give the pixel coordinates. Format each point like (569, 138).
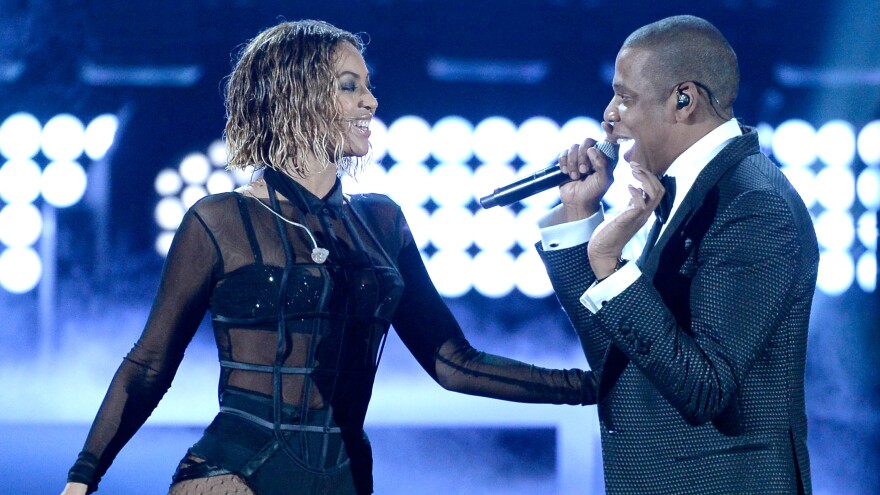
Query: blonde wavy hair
(281, 104)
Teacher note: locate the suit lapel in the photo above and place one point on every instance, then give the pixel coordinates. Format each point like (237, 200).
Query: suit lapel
(747, 144)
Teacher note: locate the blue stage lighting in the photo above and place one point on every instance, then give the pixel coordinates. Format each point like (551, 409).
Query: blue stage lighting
(450, 184)
(838, 188)
(495, 140)
(63, 138)
(836, 272)
(530, 276)
(64, 183)
(99, 135)
(494, 229)
(868, 188)
(452, 140)
(409, 139)
(20, 181)
(451, 272)
(869, 143)
(20, 224)
(493, 273)
(842, 135)
(794, 143)
(538, 141)
(20, 136)
(20, 269)
(451, 228)
(408, 183)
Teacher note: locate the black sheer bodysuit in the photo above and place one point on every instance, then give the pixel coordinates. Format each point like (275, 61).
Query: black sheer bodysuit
(298, 341)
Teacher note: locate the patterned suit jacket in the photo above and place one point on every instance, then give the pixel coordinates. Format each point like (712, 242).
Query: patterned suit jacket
(702, 358)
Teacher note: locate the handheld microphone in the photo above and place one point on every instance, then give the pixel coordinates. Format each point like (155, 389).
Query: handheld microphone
(541, 180)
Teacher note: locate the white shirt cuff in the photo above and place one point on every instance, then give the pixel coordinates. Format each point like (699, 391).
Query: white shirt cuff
(601, 292)
(558, 234)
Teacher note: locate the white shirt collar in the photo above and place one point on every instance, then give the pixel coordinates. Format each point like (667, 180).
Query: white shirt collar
(693, 160)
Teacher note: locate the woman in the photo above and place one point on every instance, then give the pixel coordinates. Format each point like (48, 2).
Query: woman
(302, 282)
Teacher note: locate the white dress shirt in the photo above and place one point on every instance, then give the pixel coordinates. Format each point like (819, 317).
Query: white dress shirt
(685, 169)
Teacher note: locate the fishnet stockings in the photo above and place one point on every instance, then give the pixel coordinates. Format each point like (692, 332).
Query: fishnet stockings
(224, 484)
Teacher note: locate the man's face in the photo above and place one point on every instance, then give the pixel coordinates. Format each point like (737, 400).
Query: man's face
(641, 112)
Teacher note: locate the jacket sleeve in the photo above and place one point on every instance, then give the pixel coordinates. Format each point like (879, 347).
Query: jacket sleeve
(746, 268)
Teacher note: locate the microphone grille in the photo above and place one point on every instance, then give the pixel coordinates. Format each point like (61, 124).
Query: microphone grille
(608, 149)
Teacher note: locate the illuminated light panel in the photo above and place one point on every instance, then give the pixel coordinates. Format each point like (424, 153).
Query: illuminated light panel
(526, 227)
(495, 140)
(577, 129)
(835, 230)
(840, 143)
(419, 224)
(63, 183)
(169, 213)
(217, 153)
(408, 183)
(168, 182)
(868, 143)
(490, 176)
(219, 181)
(20, 224)
(99, 135)
(530, 276)
(452, 140)
(20, 181)
(537, 141)
(63, 138)
(378, 140)
(838, 191)
(868, 188)
(191, 194)
(372, 179)
(20, 269)
(163, 243)
(450, 184)
(836, 272)
(20, 136)
(493, 273)
(195, 168)
(765, 137)
(804, 182)
(451, 228)
(794, 143)
(866, 272)
(409, 139)
(494, 229)
(451, 272)
(866, 230)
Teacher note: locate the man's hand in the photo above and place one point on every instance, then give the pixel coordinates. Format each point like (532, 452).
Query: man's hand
(607, 243)
(581, 198)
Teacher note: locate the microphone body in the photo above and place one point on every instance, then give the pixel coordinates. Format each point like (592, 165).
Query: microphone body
(543, 179)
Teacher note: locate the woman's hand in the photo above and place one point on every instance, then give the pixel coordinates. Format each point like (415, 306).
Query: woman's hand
(75, 489)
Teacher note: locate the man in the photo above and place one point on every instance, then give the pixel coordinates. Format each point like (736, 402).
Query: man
(701, 342)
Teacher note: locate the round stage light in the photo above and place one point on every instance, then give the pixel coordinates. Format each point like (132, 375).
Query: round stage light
(378, 140)
(494, 229)
(495, 140)
(866, 272)
(217, 153)
(409, 183)
(838, 191)
(20, 269)
(168, 182)
(538, 142)
(490, 176)
(794, 143)
(577, 129)
(219, 181)
(20, 136)
(868, 188)
(869, 143)
(804, 182)
(840, 138)
(369, 180)
(191, 194)
(20, 181)
(835, 230)
(493, 273)
(451, 228)
(163, 243)
(20, 224)
(451, 272)
(169, 213)
(63, 183)
(63, 138)
(836, 272)
(195, 168)
(452, 140)
(530, 276)
(419, 222)
(99, 135)
(866, 230)
(409, 139)
(450, 184)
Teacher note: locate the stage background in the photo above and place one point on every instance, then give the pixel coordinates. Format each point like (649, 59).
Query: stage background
(156, 69)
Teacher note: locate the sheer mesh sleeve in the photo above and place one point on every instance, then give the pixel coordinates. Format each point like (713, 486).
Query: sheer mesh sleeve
(146, 372)
(431, 333)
